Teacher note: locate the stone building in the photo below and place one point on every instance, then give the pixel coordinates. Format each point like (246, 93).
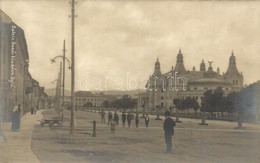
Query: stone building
(178, 82)
(14, 63)
(84, 97)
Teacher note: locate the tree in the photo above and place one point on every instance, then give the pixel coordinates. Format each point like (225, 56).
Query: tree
(218, 101)
(243, 101)
(88, 104)
(194, 105)
(205, 105)
(178, 106)
(106, 104)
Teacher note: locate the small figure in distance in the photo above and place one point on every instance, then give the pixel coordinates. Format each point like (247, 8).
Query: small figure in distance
(116, 118)
(110, 117)
(136, 120)
(129, 118)
(123, 119)
(146, 119)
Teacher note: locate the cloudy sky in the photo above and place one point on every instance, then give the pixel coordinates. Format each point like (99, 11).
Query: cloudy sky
(120, 41)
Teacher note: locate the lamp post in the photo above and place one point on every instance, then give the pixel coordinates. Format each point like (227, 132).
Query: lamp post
(63, 72)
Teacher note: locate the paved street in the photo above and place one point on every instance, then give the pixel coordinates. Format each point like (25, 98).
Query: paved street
(18, 145)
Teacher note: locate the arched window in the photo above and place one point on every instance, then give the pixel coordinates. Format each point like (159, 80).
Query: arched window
(236, 82)
(180, 81)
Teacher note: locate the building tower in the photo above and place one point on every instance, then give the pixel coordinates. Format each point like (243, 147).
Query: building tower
(232, 74)
(179, 67)
(155, 86)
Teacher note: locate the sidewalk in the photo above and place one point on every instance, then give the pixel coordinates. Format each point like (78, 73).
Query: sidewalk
(18, 145)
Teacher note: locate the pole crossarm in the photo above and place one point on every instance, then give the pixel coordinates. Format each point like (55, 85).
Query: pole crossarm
(59, 56)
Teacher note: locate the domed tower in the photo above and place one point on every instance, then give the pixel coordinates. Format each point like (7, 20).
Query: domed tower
(232, 74)
(202, 66)
(179, 67)
(157, 69)
(156, 85)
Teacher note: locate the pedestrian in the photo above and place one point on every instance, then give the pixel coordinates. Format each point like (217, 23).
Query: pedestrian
(146, 119)
(129, 118)
(123, 119)
(102, 116)
(136, 120)
(32, 110)
(116, 118)
(2, 136)
(16, 118)
(35, 110)
(168, 127)
(110, 117)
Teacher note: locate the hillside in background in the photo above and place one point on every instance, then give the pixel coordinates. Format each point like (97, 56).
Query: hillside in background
(51, 92)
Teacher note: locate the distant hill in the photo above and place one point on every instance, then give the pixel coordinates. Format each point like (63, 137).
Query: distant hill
(52, 91)
(120, 93)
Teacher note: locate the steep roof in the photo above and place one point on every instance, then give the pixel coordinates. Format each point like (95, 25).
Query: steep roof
(179, 67)
(232, 68)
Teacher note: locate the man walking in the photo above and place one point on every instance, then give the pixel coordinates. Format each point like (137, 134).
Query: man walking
(168, 127)
(146, 119)
(136, 120)
(129, 118)
(110, 117)
(123, 119)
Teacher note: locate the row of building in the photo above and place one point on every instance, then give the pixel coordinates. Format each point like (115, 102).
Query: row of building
(17, 84)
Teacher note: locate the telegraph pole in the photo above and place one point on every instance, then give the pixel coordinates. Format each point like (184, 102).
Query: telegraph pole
(63, 80)
(59, 88)
(72, 123)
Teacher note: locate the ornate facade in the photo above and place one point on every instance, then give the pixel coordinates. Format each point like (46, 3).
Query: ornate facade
(162, 88)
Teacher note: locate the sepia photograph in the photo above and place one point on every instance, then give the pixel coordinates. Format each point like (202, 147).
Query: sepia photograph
(129, 81)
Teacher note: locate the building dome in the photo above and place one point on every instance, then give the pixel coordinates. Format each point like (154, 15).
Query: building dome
(209, 81)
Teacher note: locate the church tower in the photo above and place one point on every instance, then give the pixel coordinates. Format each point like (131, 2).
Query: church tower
(232, 74)
(179, 67)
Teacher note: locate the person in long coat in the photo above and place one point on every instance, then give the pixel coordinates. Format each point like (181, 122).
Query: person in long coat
(129, 118)
(16, 118)
(123, 119)
(168, 127)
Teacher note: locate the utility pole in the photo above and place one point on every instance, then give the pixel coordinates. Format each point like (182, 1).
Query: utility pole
(59, 88)
(63, 80)
(72, 124)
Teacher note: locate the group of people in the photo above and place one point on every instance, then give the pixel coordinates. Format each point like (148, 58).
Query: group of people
(124, 117)
(168, 125)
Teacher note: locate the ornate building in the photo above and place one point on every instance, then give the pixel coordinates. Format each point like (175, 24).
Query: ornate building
(162, 88)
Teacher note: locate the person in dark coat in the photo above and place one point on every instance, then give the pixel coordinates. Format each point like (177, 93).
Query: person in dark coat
(32, 110)
(168, 127)
(129, 118)
(123, 119)
(116, 119)
(109, 118)
(16, 118)
(146, 120)
(136, 120)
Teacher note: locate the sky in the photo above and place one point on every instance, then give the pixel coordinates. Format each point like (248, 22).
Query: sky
(117, 42)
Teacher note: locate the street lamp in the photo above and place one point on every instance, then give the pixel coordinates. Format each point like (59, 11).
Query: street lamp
(63, 77)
